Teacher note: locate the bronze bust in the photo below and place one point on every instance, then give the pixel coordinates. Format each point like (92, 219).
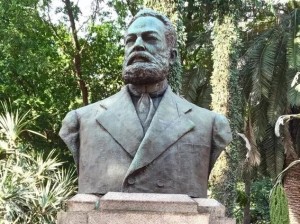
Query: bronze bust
(145, 138)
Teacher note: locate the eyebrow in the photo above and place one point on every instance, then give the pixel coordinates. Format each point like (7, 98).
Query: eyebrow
(146, 32)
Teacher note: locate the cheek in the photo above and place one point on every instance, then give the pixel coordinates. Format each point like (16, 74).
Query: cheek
(126, 50)
(126, 54)
(161, 49)
(159, 53)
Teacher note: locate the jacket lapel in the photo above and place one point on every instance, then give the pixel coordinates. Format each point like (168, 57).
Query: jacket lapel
(119, 118)
(168, 125)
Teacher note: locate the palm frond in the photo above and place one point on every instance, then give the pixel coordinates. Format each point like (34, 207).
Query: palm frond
(196, 87)
(259, 63)
(278, 94)
(259, 117)
(263, 73)
(264, 62)
(272, 153)
(293, 88)
(293, 54)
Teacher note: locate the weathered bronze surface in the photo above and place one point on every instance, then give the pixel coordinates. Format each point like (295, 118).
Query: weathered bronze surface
(145, 138)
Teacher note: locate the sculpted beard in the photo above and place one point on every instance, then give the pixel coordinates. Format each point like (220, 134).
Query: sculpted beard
(149, 70)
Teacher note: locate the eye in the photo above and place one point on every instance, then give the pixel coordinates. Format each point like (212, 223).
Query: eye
(130, 39)
(150, 38)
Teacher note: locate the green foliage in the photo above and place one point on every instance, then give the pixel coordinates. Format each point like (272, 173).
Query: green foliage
(264, 75)
(175, 74)
(279, 212)
(32, 186)
(260, 190)
(259, 200)
(293, 52)
(36, 66)
(270, 81)
(225, 37)
(225, 100)
(32, 189)
(11, 126)
(195, 87)
(36, 72)
(272, 153)
(270, 67)
(102, 60)
(196, 49)
(294, 40)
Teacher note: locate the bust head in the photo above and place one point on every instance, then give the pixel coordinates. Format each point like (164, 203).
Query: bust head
(150, 48)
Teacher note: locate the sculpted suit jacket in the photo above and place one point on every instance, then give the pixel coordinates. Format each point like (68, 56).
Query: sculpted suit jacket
(175, 155)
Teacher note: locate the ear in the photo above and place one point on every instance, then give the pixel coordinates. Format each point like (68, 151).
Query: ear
(173, 55)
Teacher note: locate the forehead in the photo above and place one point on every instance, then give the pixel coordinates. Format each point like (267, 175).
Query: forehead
(146, 24)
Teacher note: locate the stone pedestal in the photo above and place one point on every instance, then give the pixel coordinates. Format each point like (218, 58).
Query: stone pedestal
(137, 208)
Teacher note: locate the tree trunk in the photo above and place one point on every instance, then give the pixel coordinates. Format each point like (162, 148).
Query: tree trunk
(291, 181)
(292, 190)
(247, 214)
(77, 53)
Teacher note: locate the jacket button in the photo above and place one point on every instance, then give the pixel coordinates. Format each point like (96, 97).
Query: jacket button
(160, 183)
(131, 180)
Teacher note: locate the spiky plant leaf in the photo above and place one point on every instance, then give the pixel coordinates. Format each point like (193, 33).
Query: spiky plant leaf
(12, 124)
(272, 152)
(263, 72)
(260, 118)
(294, 41)
(279, 211)
(278, 94)
(264, 62)
(32, 186)
(50, 195)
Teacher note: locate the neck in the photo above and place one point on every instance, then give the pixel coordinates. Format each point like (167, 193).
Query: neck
(152, 89)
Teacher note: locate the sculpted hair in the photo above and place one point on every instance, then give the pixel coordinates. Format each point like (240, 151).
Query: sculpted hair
(170, 31)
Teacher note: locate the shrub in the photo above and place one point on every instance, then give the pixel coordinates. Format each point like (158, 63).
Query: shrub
(32, 186)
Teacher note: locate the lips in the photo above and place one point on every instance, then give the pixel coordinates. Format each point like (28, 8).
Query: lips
(138, 57)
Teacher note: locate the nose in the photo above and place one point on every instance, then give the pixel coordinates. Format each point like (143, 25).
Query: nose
(139, 44)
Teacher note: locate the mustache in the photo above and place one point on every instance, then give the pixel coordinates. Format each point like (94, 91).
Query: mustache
(145, 56)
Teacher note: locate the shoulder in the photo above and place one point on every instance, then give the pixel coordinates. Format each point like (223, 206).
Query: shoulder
(196, 110)
(203, 116)
(95, 108)
(69, 123)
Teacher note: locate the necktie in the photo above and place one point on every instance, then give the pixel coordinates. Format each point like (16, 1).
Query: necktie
(145, 109)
